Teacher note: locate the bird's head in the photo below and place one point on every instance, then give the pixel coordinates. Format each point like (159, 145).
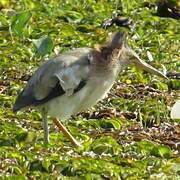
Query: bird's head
(118, 52)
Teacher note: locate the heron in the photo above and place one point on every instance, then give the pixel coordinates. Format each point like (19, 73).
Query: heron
(76, 80)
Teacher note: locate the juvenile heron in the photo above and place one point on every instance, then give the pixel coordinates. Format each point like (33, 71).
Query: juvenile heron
(77, 80)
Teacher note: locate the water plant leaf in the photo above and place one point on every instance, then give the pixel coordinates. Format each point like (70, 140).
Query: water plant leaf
(43, 45)
(19, 21)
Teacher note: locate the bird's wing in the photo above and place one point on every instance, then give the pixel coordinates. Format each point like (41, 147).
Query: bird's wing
(64, 75)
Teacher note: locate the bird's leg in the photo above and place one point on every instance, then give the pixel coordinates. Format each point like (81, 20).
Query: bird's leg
(66, 132)
(45, 126)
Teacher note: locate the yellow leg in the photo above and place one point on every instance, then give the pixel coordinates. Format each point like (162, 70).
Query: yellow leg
(65, 132)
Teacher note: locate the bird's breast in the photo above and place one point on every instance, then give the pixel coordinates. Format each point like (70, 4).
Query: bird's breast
(94, 90)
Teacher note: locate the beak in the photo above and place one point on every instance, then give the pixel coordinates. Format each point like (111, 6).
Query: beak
(139, 63)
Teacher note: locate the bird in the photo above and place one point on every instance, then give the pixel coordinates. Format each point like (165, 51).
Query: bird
(76, 80)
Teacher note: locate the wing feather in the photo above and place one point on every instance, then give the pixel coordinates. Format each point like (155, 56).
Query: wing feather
(64, 75)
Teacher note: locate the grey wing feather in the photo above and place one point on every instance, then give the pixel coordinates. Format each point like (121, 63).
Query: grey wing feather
(64, 73)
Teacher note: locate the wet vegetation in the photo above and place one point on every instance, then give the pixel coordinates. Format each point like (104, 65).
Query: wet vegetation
(128, 135)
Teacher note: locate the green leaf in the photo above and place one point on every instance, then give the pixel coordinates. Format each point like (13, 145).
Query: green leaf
(174, 84)
(19, 22)
(162, 151)
(21, 136)
(36, 165)
(106, 145)
(68, 30)
(161, 86)
(46, 164)
(116, 124)
(43, 45)
(110, 123)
